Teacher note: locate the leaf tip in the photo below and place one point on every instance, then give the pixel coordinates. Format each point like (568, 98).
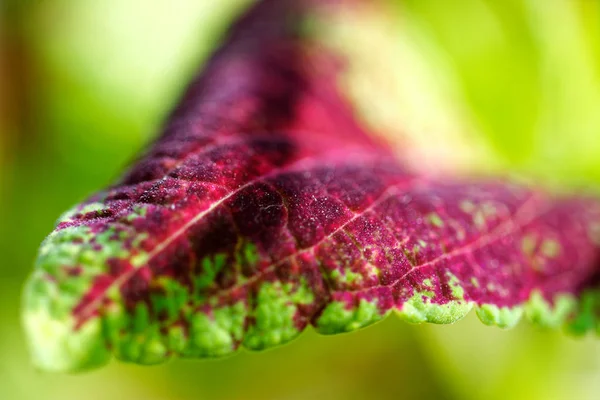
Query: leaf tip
(55, 343)
(502, 317)
(420, 309)
(550, 314)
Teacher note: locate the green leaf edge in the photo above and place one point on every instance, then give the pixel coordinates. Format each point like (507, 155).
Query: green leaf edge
(57, 346)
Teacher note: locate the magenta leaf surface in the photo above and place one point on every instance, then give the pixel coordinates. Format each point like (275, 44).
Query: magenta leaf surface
(264, 208)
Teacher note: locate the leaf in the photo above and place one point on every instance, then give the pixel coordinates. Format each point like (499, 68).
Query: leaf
(264, 207)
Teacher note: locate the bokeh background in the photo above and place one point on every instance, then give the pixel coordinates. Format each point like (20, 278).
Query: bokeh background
(510, 87)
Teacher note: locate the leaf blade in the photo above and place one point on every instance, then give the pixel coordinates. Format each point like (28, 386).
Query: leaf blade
(264, 207)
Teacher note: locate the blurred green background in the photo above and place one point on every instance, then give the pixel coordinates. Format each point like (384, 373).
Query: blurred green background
(513, 86)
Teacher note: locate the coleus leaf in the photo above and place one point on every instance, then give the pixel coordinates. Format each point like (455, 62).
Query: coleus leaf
(264, 207)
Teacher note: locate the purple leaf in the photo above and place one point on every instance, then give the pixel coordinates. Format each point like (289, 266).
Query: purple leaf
(264, 207)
